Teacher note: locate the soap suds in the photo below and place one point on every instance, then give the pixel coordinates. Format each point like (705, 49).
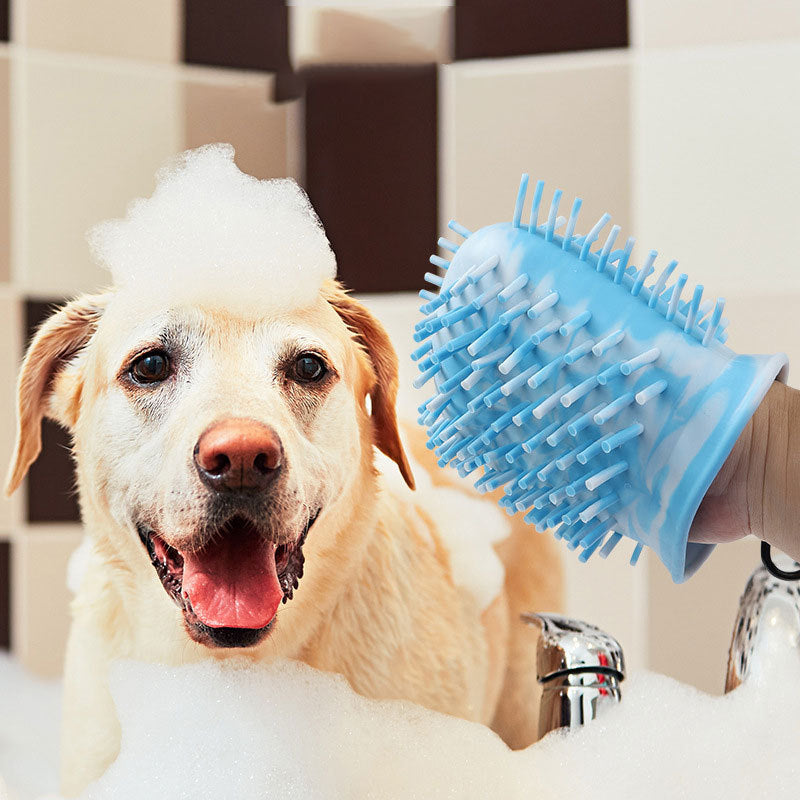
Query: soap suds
(211, 234)
(231, 729)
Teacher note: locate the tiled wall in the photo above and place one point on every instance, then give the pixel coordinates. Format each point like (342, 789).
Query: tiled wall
(396, 116)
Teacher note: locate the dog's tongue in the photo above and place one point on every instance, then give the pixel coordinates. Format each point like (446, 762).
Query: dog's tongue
(233, 582)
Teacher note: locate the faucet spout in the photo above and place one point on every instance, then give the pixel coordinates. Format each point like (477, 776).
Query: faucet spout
(767, 626)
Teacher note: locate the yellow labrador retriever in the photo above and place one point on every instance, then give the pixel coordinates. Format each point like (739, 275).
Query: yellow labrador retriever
(228, 484)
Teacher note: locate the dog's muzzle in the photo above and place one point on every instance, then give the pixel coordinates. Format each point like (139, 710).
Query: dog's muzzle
(229, 590)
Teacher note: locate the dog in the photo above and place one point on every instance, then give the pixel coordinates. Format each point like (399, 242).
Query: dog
(226, 468)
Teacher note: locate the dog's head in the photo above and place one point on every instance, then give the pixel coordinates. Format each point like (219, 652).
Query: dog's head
(223, 449)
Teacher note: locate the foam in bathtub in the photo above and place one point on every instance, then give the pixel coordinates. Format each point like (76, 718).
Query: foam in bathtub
(210, 730)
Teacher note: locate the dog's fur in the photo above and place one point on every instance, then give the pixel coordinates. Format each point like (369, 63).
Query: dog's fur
(377, 603)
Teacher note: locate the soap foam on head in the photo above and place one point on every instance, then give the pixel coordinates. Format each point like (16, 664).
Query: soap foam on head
(211, 234)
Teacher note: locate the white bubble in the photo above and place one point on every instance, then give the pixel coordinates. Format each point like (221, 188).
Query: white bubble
(211, 234)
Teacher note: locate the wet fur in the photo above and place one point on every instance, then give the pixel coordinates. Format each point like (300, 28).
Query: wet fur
(377, 603)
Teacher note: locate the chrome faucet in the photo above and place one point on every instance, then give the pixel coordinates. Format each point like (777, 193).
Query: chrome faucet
(769, 608)
(580, 668)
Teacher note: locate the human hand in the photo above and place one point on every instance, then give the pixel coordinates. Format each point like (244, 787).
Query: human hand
(757, 491)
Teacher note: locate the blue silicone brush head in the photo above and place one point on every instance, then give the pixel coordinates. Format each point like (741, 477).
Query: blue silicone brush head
(599, 394)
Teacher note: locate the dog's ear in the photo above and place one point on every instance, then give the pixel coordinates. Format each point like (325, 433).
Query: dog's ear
(372, 337)
(58, 340)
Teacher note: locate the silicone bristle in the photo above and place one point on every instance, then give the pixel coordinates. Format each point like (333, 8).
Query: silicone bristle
(456, 227)
(623, 259)
(573, 218)
(552, 359)
(523, 189)
(591, 237)
(606, 251)
(552, 216)
(643, 274)
(661, 282)
(446, 244)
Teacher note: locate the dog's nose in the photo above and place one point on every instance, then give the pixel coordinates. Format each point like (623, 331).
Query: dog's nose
(238, 455)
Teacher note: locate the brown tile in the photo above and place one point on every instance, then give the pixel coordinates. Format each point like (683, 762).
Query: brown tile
(51, 495)
(5, 169)
(51, 480)
(522, 27)
(371, 171)
(41, 618)
(247, 34)
(238, 111)
(5, 595)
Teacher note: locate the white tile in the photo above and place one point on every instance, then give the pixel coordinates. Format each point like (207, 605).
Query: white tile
(40, 600)
(340, 33)
(146, 29)
(675, 23)
(561, 118)
(89, 135)
(716, 164)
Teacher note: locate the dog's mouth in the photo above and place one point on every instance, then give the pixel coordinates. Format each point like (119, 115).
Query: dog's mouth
(230, 589)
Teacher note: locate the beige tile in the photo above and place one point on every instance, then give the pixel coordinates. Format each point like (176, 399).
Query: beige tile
(716, 164)
(146, 29)
(390, 33)
(690, 624)
(237, 109)
(766, 323)
(563, 119)
(671, 23)
(40, 596)
(612, 594)
(90, 137)
(11, 335)
(5, 168)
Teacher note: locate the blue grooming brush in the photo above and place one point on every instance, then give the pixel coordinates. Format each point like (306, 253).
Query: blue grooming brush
(604, 406)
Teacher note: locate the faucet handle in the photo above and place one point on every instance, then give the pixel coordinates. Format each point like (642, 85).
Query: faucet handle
(580, 668)
(568, 645)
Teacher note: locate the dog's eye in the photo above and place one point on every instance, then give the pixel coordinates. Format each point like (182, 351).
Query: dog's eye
(308, 368)
(152, 367)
